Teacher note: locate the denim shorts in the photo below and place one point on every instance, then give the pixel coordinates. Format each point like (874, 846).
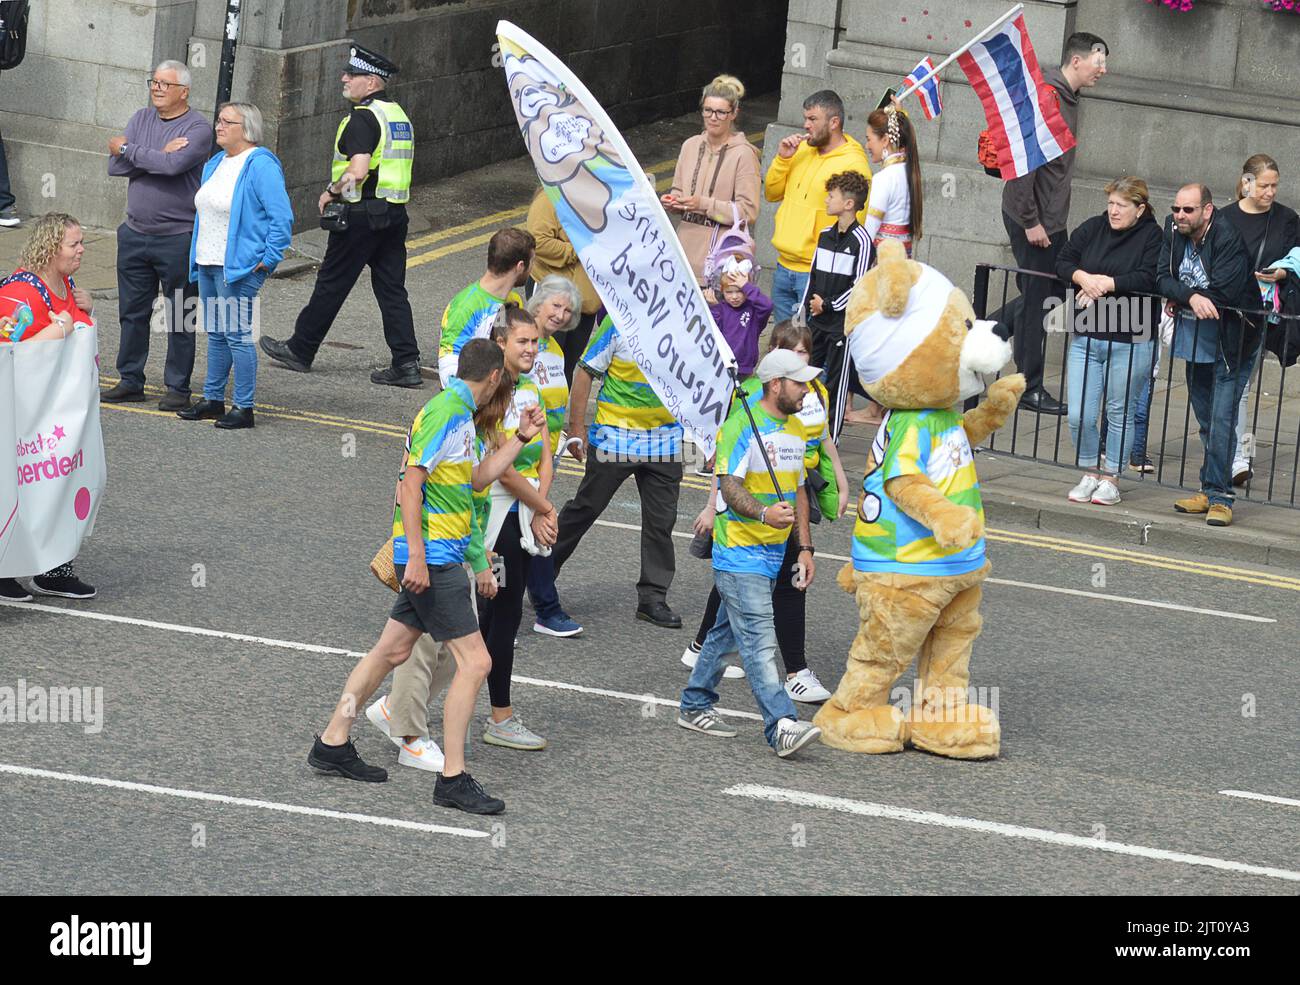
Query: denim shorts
(443, 610)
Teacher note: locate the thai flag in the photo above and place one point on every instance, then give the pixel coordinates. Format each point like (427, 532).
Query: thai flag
(929, 92)
(1022, 111)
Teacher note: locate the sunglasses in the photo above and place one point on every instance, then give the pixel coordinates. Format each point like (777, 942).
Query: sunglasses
(1185, 209)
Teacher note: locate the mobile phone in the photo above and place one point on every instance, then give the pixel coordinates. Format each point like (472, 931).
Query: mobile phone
(1269, 270)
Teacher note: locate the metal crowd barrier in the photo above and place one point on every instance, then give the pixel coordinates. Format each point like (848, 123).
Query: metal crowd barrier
(1169, 436)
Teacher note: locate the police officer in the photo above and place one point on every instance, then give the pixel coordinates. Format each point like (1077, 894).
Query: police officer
(373, 152)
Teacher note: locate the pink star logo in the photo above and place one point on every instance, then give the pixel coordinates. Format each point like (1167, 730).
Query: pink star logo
(58, 432)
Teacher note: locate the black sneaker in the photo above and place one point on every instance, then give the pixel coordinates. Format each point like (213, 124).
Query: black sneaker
(658, 613)
(407, 375)
(464, 793)
(11, 590)
(70, 587)
(344, 761)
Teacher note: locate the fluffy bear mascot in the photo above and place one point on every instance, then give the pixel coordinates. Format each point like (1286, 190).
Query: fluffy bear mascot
(918, 544)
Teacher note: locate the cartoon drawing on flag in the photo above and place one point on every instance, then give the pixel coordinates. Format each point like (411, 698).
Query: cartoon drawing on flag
(52, 469)
(612, 215)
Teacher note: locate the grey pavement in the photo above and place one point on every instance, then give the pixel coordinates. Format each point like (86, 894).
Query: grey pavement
(1134, 683)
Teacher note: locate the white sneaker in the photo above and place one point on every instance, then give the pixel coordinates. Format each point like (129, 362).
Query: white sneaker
(378, 715)
(1082, 493)
(1107, 493)
(804, 686)
(423, 754)
(690, 656)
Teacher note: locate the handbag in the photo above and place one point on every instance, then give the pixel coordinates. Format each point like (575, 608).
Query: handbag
(382, 567)
(334, 217)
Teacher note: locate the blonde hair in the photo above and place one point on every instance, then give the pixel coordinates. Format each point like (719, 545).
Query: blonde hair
(44, 240)
(726, 87)
(1251, 171)
(1134, 189)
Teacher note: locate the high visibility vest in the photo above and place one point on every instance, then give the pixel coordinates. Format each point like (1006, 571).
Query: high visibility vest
(393, 157)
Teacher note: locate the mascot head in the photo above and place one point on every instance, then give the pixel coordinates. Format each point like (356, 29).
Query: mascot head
(914, 338)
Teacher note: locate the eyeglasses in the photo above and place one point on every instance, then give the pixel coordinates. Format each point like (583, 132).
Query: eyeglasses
(1185, 209)
(159, 84)
(716, 113)
(223, 122)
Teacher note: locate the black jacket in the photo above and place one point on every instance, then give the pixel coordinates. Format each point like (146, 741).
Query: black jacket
(1231, 283)
(838, 261)
(1129, 256)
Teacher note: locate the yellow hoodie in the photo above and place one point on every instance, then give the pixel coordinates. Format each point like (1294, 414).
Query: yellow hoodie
(799, 184)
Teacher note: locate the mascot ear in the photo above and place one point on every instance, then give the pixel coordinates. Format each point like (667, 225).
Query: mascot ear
(896, 276)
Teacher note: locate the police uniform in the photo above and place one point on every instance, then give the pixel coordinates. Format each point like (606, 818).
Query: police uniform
(375, 234)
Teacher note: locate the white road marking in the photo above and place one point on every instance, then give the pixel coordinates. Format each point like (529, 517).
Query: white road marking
(1267, 798)
(171, 627)
(1100, 596)
(218, 798)
(778, 795)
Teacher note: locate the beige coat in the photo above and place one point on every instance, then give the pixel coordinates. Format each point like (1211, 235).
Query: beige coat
(719, 179)
(555, 254)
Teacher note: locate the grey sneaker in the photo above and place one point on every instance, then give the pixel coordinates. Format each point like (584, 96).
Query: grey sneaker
(791, 736)
(705, 721)
(512, 734)
(9, 218)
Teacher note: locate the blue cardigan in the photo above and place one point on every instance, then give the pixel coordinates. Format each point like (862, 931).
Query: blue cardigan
(261, 218)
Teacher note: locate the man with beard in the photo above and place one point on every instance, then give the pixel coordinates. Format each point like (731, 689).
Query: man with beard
(797, 179)
(760, 469)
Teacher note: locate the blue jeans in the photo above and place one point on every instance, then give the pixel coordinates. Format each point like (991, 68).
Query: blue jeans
(744, 624)
(1120, 369)
(788, 287)
(6, 196)
(1215, 391)
(541, 588)
(1142, 417)
(228, 320)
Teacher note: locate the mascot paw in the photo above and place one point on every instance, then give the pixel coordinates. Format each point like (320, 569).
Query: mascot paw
(846, 580)
(880, 729)
(1006, 392)
(967, 732)
(958, 528)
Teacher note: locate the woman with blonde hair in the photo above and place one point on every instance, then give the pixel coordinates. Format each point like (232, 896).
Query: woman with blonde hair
(717, 169)
(1111, 262)
(43, 283)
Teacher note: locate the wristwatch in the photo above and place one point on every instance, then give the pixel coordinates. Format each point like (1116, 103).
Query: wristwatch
(762, 516)
(808, 548)
(329, 190)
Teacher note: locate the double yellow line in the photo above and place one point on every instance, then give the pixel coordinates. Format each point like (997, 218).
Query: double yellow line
(498, 219)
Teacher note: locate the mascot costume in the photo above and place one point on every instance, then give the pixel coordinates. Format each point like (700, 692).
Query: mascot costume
(918, 544)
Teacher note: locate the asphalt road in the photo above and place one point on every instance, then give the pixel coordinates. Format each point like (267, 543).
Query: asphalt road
(232, 570)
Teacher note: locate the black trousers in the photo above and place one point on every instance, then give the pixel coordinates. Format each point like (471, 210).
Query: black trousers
(145, 265)
(1026, 315)
(789, 612)
(573, 343)
(499, 617)
(830, 351)
(348, 253)
(660, 486)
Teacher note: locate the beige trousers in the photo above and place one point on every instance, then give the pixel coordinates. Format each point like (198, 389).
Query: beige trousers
(426, 673)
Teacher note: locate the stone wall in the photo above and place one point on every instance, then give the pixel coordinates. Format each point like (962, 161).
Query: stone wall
(1187, 97)
(87, 61)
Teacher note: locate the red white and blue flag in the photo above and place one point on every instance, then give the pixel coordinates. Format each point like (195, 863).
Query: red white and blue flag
(1022, 110)
(927, 92)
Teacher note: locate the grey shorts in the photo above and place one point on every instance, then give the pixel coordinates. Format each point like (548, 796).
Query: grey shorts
(443, 610)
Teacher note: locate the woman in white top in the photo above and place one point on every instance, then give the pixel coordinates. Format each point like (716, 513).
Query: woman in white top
(893, 208)
(242, 227)
(894, 205)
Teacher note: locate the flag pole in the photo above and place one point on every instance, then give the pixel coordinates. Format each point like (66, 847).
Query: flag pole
(1018, 8)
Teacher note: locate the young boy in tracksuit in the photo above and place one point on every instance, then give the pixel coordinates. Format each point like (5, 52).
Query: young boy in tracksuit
(843, 254)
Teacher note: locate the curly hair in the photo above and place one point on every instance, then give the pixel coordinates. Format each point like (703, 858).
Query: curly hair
(44, 240)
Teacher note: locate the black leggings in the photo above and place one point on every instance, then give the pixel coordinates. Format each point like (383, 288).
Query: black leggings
(789, 611)
(498, 618)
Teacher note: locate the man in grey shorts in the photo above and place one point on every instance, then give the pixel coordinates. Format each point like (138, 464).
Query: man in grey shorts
(433, 506)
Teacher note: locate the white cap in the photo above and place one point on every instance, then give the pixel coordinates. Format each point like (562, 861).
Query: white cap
(786, 364)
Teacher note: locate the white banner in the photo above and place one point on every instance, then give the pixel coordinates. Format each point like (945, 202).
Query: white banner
(52, 470)
(613, 218)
